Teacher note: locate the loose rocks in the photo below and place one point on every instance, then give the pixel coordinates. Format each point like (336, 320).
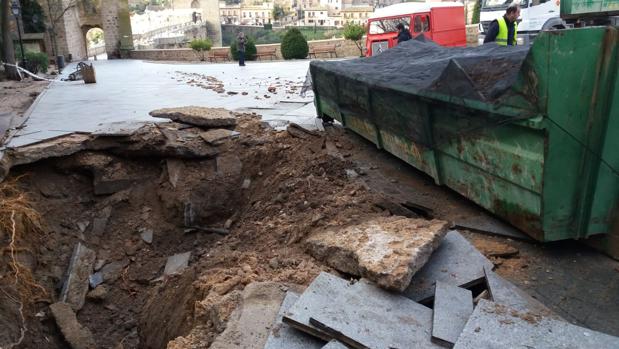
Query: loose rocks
(387, 251)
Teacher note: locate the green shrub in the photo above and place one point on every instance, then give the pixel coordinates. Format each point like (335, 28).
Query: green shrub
(354, 33)
(35, 61)
(201, 46)
(250, 50)
(294, 45)
(268, 26)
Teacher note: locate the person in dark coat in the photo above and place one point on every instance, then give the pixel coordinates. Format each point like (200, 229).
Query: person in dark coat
(403, 33)
(241, 40)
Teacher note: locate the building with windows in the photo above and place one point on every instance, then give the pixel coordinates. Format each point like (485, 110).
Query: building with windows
(320, 17)
(229, 13)
(356, 14)
(257, 14)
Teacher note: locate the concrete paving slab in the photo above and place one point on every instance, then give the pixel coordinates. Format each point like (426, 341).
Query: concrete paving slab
(493, 325)
(505, 293)
(120, 128)
(197, 116)
(319, 293)
(282, 336)
(386, 250)
(76, 284)
(492, 225)
(127, 90)
(455, 262)
(453, 306)
(365, 316)
(335, 345)
(177, 263)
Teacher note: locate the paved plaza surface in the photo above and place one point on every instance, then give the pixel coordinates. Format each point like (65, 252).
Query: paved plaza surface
(127, 90)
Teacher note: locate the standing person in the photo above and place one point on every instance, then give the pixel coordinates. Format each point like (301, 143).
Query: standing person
(241, 40)
(504, 30)
(403, 33)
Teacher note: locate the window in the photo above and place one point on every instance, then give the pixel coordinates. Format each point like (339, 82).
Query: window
(388, 25)
(422, 24)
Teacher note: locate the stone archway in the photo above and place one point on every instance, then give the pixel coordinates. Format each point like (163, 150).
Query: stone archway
(95, 43)
(195, 4)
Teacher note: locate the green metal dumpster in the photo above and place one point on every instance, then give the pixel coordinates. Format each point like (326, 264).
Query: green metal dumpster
(544, 155)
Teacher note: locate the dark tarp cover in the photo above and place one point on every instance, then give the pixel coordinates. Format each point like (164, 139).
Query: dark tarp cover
(482, 72)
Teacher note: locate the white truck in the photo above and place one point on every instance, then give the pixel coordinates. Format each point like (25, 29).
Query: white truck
(535, 16)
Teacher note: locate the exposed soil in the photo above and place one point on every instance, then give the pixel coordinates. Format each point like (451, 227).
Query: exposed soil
(17, 96)
(267, 189)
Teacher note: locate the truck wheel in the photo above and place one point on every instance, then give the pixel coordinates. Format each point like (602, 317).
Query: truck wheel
(554, 24)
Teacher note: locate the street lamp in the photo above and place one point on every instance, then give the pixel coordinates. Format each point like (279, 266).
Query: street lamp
(16, 9)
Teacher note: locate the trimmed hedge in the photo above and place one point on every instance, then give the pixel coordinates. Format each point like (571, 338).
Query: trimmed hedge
(250, 50)
(294, 45)
(35, 61)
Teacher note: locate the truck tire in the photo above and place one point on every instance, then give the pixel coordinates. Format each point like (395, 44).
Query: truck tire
(554, 24)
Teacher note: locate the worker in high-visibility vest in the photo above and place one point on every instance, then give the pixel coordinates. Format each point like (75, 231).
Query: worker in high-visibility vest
(504, 30)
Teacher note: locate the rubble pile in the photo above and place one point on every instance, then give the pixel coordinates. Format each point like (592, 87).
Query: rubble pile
(462, 312)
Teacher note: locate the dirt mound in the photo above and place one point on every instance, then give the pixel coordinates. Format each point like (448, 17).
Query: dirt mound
(261, 192)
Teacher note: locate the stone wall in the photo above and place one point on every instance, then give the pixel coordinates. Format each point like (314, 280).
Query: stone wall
(344, 48)
(110, 15)
(210, 15)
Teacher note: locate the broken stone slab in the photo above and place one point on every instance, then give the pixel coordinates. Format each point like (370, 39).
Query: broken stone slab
(78, 336)
(174, 167)
(218, 136)
(111, 271)
(177, 263)
(494, 325)
(363, 316)
(76, 284)
(453, 306)
(505, 293)
(117, 176)
(455, 262)
(282, 336)
(491, 225)
(147, 236)
(50, 148)
(250, 323)
(298, 131)
(156, 140)
(98, 294)
(198, 116)
(321, 291)
(386, 250)
(335, 345)
(229, 165)
(99, 223)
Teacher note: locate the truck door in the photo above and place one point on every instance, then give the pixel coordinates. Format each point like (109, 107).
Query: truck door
(422, 25)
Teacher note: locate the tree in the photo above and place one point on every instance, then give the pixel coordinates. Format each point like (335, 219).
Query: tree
(278, 12)
(294, 45)
(56, 12)
(32, 16)
(201, 47)
(8, 51)
(476, 11)
(354, 33)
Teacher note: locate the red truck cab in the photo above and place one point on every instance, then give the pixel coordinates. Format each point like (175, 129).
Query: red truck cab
(441, 22)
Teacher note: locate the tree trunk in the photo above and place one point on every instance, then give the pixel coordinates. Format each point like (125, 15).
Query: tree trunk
(8, 51)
